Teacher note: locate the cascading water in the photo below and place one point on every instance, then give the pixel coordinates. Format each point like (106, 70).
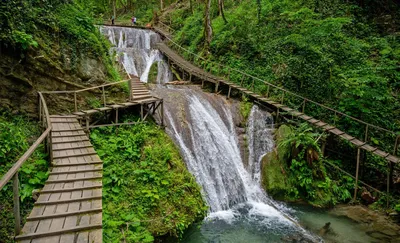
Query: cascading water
(260, 139)
(135, 49)
(203, 126)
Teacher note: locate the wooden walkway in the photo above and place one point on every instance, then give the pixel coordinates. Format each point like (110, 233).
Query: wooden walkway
(69, 208)
(193, 70)
(140, 96)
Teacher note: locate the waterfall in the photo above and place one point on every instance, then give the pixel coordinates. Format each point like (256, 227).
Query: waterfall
(260, 139)
(203, 127)
(135, 48)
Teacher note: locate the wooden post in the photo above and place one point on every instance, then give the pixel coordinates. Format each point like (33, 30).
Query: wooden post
(229, 92)
(162, 113)
(183, 74)
(366, 133)
(357, 168)
(277, 115)
(104, 97)
(17, 215)
(216, 86)
(202, 83)
(141, 111)
(388, 184)
(241, 82)
(304, 106)
(130, 89)
(76, 103)
(40, 109)
(116, 115)
(87, 122)
(190, 77)
(253, 86)
(267, 92)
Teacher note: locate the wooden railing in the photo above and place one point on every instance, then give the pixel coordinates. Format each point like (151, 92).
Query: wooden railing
(100, 87)
(249, 81)
(13, 172)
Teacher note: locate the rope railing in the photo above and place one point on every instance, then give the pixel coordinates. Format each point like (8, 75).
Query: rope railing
(13, 172)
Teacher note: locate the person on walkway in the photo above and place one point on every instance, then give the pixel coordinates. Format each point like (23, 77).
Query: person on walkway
(133, 20)
(112, 20)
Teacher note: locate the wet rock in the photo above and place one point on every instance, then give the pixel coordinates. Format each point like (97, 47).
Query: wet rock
(324, 230)
(367, 197)
(373, 223)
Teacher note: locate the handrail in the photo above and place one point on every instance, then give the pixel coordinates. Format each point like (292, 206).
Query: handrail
(13, 172)
(82, 90)
(45, 109)
(165, 25)
(284, 90)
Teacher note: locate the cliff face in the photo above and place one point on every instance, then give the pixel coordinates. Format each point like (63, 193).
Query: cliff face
(21, 78)
(48, 46)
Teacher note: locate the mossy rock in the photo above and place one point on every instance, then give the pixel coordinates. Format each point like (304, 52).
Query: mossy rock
(274, 180)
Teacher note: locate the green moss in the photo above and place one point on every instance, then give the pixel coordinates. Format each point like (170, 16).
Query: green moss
(287, 176)
(147, 190)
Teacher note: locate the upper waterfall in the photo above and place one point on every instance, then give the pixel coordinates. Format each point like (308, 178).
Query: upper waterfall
(135, 49)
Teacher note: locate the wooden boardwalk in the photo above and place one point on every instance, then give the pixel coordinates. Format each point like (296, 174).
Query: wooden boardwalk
(69, 208)
(198, 72)
(140, 96)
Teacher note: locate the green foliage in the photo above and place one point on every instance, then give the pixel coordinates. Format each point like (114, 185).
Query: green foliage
(296, 170)
(60, 31)
(147, 190)
(16, 134)
(245, 109)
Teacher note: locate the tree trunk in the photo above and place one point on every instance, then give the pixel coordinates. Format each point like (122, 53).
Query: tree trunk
(115, 9)
(207, 25)
(221, 10)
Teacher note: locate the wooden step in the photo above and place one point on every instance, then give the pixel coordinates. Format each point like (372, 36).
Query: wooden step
(57, 232)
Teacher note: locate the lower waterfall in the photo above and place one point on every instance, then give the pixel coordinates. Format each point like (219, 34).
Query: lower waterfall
(203, 126)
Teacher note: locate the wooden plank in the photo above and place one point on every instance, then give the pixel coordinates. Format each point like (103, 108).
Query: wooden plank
(68, 136)
(74, 164)
(74, 179)
(61, 215)
(71, 189)
(336, 131)
(369, 148)
(59, 232)
(67, 201)
(74, 155)
(75, 171)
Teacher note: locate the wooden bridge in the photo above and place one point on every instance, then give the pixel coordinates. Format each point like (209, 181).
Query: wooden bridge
(69, 207)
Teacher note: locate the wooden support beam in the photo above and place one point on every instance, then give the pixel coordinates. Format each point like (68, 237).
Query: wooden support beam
(216, 86)
(357, 169)
(229, 92)
(17, 213)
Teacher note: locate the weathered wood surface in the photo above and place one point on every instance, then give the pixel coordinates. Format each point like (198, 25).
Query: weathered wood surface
(198, 72)
(69, 208)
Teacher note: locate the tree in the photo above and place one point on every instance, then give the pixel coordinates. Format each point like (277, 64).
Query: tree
(207, 25)
(221, 10)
